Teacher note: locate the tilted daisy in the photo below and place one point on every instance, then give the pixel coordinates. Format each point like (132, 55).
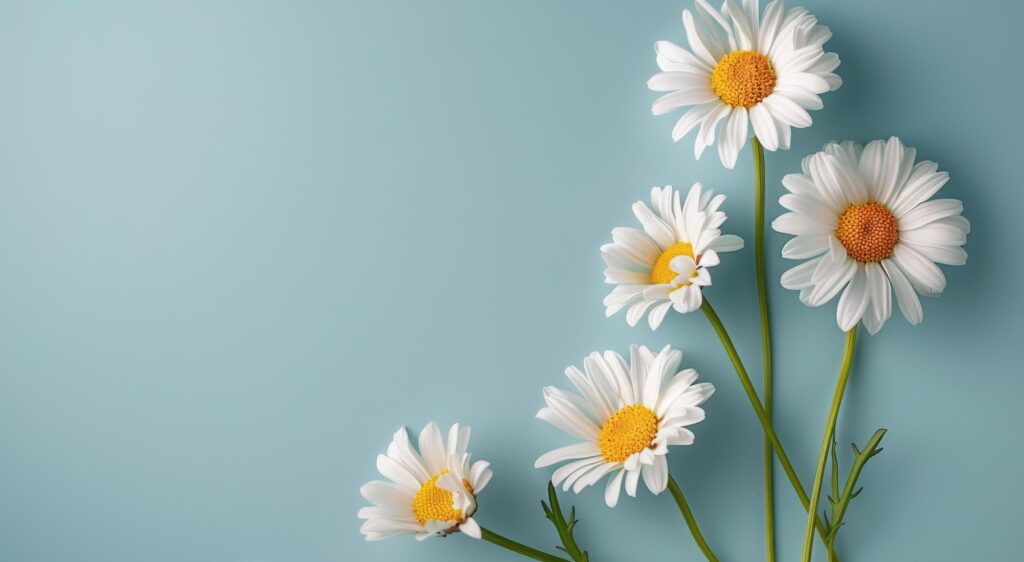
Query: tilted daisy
(666, 264)
(429, 492)
(626, 415)
(741, 67)
(865, 218)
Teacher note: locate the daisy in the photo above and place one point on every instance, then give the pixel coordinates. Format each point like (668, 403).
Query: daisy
(666, 264)
(865, 218)
(742, 68)
(429, 492)
(626, 416)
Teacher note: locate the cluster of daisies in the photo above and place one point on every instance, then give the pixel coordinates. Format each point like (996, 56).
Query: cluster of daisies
(865, 225)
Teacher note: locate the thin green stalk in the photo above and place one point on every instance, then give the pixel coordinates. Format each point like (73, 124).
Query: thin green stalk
(519, 548)
(691, 522)
(755, 402)
(830, 428)
(766, 342)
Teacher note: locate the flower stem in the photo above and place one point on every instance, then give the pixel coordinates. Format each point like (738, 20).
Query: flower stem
(830, 428)
(691, 522)
(766, 343)
(519, 548)
(755, 402)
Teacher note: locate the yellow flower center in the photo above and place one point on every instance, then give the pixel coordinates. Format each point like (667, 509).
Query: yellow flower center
(743, 78)
(630, 430)
(868, 232)
(661, 272)
(433, 503)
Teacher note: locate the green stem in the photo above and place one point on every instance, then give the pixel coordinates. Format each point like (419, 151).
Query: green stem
(691, 522)
(519, 548)
(830, 428)
(766, 342)
(755, 402)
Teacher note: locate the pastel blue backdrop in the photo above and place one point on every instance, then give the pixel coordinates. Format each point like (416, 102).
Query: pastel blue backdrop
(243, 242)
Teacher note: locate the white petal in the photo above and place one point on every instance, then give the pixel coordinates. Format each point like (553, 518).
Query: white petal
(611, 492)
(734, 136)
(676, 80)
(764, 127)
(701, 45)
(726, 243)
(948, 255)
(432, 448)
(470, 528)
(576, 451)
(632, 479)
(680, 58)
(654, 226)
(880, 296)
(656, 475)
(806, 246)
(922, 184)
(636, 312)
(788, 111)
(854, 301)
(923, 274)
(800, 224)
(693, 95)
(693, 118)
(480, 475)
(910, 305)
(394, 471)
(930, 211)
(799, 277)
(812, 208)
(706, 134)
(657, 314)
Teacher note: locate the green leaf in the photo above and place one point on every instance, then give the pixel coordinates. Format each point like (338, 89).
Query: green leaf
(563, 526)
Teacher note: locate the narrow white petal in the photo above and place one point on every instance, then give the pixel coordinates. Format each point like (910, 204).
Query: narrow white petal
(612, 491)
(854, 301)
(577, 451)
(910, 304)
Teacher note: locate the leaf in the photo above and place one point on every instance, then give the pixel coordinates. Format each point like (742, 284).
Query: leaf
(850, 489)
(564, 526)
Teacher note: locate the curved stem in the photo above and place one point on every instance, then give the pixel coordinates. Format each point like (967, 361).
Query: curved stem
(755, 402)
(766, 342)
(830, 429)
(691, 522)
(519, 548)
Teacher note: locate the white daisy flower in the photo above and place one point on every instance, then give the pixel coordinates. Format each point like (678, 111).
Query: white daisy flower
(428, 493)
(864, 217)
(666, 264)
(740, 67)
(626, 416)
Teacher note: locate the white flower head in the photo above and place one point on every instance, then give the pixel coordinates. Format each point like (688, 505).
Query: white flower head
(667, 263)
(626, 416)
(864, 220)
(744, 67)
(429, 492)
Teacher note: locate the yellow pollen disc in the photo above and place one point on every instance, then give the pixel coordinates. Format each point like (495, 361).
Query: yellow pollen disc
(868, 232)
(435, 504)
(743, 78)
(630, 430)
(661, 273)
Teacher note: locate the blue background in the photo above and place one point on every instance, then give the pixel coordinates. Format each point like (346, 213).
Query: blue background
(243, 242)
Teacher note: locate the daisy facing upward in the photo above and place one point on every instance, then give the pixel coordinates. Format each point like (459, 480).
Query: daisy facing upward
(864, 220)
(742, 68)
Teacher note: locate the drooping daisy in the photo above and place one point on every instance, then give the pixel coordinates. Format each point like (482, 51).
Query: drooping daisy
(865, 218)
(429, 492)
(666, 264)
(741, 67)
(626, 416)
